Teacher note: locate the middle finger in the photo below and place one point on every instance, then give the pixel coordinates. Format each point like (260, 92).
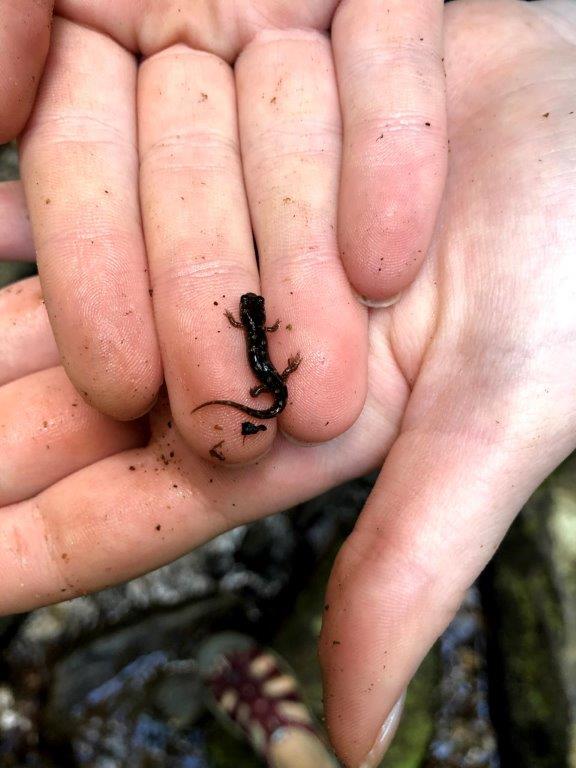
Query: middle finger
(199, 241)
(291, 140)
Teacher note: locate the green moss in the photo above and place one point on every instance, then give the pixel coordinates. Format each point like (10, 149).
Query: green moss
(532, 708)
(225, 751)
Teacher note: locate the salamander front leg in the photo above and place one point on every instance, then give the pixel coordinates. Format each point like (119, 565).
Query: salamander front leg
(232, 320)
(293, 363)
(272, 328)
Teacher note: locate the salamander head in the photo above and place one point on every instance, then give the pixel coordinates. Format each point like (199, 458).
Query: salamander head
(252, 309)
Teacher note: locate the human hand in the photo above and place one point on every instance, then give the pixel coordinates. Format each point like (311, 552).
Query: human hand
(471, 393)
(219, 153)
(486, 339)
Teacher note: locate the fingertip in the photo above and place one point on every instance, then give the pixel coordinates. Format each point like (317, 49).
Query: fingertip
(328, 391)
(394, 146)
(385, 231)
(385, 735)
(123, 388)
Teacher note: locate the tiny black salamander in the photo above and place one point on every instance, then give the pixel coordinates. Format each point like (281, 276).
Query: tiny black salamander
(253, 321)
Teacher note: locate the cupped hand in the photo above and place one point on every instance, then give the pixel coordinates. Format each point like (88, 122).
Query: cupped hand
(472, 380)
(156, 176)
(486, 339)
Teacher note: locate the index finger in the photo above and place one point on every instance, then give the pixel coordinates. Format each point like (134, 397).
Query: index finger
(391, 81)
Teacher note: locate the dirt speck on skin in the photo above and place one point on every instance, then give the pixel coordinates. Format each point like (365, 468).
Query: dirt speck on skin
(132, 468)
(216, 452)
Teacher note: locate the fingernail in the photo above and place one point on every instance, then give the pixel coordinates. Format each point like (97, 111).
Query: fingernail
(300, 443)
(373, 304)
(385, 736)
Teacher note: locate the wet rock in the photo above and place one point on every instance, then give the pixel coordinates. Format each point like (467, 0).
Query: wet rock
(216, 568)
(8, 162)
(18, 736)
(11, 271)
(531, 599)
(142, 717)
(7, 627)
(464, 736)
(98, 664)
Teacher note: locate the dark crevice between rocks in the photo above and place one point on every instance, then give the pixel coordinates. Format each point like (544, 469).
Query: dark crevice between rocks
(528, 704)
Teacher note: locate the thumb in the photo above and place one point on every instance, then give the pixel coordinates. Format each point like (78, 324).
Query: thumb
(24, 41)
(441, 506)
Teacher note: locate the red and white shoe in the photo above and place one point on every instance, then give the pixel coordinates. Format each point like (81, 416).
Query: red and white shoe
(255, 694)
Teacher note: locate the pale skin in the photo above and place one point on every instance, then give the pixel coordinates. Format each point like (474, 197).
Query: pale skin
(236, 123)
(470, 404)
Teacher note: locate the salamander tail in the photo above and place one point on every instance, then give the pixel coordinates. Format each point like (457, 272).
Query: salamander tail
(266, 413)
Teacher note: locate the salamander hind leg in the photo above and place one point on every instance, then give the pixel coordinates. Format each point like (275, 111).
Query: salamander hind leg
(258, 390)
(272, 328)
(293, 363)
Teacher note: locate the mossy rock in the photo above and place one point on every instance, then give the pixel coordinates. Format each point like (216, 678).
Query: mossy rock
(8, 162)
(531, 600)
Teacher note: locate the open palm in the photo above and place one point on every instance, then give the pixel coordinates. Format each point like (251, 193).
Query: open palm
(472, 376)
